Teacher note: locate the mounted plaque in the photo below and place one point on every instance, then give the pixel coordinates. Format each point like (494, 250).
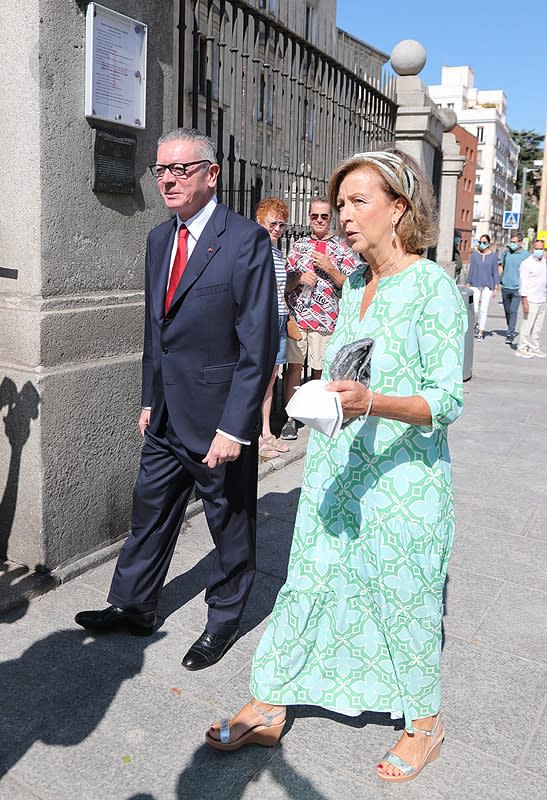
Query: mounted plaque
(115, 67)
(114, 161)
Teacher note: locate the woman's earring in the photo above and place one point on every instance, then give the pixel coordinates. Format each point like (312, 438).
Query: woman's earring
(393, 231)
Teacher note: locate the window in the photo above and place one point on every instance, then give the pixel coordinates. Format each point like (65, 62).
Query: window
(265, 99)
(450, 105)
(480, 134)
(202, 79)
(310, 30)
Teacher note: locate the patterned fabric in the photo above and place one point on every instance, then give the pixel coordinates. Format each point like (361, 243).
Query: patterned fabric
(357, 624)
(281, 280)
(321, 313)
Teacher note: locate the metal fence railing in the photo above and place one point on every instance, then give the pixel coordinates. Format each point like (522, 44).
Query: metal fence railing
(283, 112)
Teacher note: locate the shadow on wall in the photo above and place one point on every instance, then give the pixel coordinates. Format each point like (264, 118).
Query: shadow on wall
(22, 407)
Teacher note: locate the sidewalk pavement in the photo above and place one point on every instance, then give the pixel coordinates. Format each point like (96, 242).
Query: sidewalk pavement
(117, 718)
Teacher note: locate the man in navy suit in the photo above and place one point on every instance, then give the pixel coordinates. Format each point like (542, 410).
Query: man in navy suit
(209, 349)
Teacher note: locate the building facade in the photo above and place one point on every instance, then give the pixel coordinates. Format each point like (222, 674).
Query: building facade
(463, 222)
(483, 113)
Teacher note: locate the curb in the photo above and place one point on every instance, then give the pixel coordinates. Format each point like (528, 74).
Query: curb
(22, 590)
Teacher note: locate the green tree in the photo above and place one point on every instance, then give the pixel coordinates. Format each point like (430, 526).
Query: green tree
(531, 214)
(531, 149)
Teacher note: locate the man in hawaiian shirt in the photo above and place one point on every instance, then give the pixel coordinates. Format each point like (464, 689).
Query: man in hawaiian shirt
(317, 266)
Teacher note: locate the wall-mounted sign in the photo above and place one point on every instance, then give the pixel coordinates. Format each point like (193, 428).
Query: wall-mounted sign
(114, 161)
(115, 67)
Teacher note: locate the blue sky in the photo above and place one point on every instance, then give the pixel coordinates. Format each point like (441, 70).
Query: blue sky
(502, 41)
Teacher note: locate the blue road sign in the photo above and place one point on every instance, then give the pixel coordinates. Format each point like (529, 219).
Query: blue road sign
(511, 220)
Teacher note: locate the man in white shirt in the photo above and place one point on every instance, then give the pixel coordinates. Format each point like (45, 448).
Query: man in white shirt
(533, 291)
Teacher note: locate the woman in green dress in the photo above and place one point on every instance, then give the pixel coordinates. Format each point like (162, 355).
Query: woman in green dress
(357, 625)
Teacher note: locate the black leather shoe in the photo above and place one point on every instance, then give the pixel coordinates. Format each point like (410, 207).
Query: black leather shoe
(207, 650)
(117, 619)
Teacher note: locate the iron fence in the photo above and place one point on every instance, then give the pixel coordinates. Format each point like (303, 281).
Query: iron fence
(283, 112)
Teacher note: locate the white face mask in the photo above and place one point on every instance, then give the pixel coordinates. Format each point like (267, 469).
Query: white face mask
(538, 254)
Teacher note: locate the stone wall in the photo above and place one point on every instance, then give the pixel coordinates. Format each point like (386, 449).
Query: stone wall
(71, 322)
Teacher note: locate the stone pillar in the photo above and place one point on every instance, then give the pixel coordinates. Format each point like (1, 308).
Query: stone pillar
(453, 164)
(418, 128)
(421, 131)
(71, 277)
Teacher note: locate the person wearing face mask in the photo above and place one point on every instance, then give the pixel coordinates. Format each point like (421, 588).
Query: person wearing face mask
(533, 291)
(483, 279)
(512, 260)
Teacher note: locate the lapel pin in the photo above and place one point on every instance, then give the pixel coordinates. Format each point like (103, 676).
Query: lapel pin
(209, 249)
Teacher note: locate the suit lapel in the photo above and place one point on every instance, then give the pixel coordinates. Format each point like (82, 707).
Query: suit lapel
(161, 273)
(206, 247)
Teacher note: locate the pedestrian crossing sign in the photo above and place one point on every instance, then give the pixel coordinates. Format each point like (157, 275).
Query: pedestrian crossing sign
(511, 220)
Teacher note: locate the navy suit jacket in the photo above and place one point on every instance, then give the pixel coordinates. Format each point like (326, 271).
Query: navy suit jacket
(209, 362)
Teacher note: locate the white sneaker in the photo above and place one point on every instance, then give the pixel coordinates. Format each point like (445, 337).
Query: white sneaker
(523, 354)
(538, 353)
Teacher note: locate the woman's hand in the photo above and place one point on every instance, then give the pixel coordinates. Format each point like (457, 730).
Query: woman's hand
(321, 260)
(354, 396)
(308, 278)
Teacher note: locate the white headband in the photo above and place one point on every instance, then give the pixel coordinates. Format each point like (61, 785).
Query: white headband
(379, 157)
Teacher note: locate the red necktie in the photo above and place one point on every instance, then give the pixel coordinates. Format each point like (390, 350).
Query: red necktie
(179, 265)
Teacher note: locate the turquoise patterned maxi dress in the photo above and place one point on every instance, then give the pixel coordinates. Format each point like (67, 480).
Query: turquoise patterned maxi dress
(357, 625)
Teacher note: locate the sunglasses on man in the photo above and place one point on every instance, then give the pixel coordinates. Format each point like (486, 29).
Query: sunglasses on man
(323, 217)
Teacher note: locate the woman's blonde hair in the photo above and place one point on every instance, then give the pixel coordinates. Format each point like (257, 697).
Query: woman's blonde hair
(401, 176)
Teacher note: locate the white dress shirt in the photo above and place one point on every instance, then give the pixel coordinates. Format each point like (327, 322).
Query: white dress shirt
(533, 277)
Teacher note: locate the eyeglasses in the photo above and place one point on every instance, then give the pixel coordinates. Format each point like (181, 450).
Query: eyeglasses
(277, 224)
(176, 170)
(315, 217)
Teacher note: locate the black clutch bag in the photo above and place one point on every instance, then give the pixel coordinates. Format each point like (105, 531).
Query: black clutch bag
(352, 362)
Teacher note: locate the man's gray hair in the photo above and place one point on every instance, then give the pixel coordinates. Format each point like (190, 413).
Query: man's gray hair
(319, 199)
(205, 146)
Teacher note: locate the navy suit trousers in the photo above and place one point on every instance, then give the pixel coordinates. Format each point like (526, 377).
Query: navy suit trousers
(167, 475)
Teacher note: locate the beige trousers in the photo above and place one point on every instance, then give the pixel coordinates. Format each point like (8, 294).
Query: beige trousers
(532, 323)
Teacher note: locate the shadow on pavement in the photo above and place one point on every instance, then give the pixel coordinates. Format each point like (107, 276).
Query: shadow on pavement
(17, 583)
(221, 773)
(216, 774)
(272, 550)
(59, 689)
